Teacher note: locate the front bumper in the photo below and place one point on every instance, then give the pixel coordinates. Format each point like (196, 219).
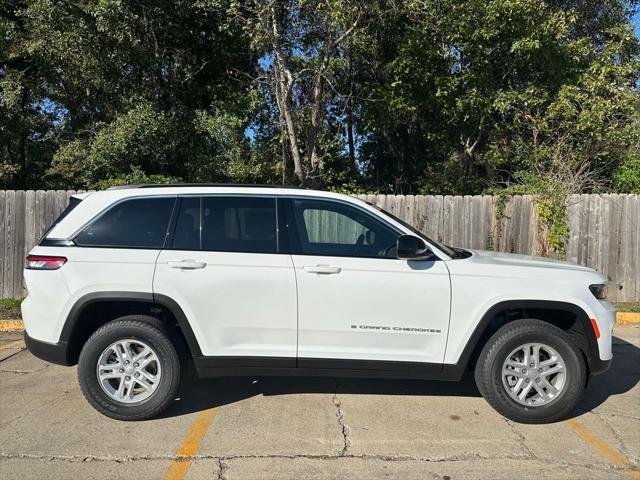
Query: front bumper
(57, 353)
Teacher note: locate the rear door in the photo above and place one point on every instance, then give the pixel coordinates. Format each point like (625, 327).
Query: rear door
(356, 301)
(225, 269)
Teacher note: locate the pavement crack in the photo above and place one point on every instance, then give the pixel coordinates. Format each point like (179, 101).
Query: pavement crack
(222, 469)
(616, 434)
(224, 466)
(521, 438)
(344, 429)
(12, 355)
(29, 412)
(23, 372)
(624, 415)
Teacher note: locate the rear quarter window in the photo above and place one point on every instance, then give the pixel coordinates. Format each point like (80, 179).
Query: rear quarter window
(133, 223)
(73, 203)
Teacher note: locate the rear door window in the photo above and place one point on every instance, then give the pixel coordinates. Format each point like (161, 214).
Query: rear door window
(227, 224)
(133, 223)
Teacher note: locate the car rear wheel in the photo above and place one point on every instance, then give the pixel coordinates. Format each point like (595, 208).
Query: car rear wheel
(129, 369)
(531, 372)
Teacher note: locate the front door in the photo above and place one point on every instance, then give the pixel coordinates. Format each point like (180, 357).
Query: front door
(225, 270)
(356, 301)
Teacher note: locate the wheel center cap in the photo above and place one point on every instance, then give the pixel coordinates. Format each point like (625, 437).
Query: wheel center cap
(129, 370)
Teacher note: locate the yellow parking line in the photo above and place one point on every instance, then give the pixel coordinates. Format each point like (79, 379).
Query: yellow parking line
(190, 446)
(628, 318)
(16, 344)
(11, 325)
(602, 447)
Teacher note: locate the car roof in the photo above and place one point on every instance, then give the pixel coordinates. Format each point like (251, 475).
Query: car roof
(193, 185)
(125, 191)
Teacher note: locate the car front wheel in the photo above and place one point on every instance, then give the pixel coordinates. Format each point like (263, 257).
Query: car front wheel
(129, 369)
(531, 372)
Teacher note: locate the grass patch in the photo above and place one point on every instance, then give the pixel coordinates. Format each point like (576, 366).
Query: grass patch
(628, 307)
(10, 302)
(10, 308)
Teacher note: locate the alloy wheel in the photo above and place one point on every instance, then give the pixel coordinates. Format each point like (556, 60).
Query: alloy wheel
(129, 371)
(534, 374)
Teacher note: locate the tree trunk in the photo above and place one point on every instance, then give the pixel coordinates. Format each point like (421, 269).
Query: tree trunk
(316, 115)
(468, 153)
(283, 99)
(350, 142)
(271, 19)
(349, 115)
(315, 159)
(284, 85)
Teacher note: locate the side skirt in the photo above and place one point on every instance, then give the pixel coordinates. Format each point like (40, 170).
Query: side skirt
(208, 367)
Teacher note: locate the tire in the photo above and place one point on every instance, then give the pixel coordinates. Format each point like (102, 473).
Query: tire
(164, 362)
(494, 387)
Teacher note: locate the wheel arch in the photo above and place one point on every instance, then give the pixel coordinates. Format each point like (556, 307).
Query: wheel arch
(110, 305)
(555, 312)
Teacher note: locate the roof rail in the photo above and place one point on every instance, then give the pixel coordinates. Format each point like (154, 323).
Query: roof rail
(168, 185)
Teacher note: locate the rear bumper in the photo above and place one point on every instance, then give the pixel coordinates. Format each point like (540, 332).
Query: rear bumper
(57, 353)
(599, 366)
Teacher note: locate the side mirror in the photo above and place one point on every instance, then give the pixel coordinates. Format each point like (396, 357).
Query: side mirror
(412, 248)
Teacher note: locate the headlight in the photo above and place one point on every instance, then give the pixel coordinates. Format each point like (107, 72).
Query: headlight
(599, 291)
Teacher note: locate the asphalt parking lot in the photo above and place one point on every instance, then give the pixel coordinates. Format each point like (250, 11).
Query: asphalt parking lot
(253, 428)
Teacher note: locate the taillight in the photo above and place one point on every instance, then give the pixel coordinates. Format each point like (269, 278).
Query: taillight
(44, 262)
(596, 329)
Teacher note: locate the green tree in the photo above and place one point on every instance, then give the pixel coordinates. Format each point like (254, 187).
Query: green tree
(422, 96)
(466, 96)
(301, 47)
(149, 85)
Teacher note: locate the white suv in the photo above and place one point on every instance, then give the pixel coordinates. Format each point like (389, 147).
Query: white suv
(134, 283)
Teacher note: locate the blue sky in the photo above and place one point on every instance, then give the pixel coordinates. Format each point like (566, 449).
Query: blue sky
(636, 23)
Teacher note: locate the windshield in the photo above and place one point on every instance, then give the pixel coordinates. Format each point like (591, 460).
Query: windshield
(448, 250)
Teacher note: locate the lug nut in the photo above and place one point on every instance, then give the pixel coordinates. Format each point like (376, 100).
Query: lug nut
(122, 370)
(524, 370)
(532, 365)
(136, 375)
(137, 365)
(127, 377)
(537, 380)
(126, 362)
(540, 370)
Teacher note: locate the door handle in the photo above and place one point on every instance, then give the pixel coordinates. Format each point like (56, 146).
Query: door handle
(324, 269)
(187, 264)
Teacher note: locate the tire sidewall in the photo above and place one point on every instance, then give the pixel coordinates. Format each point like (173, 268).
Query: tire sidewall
(99, 342)
(559, 406)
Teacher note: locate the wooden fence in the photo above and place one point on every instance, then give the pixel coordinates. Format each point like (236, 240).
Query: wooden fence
(604, 230)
